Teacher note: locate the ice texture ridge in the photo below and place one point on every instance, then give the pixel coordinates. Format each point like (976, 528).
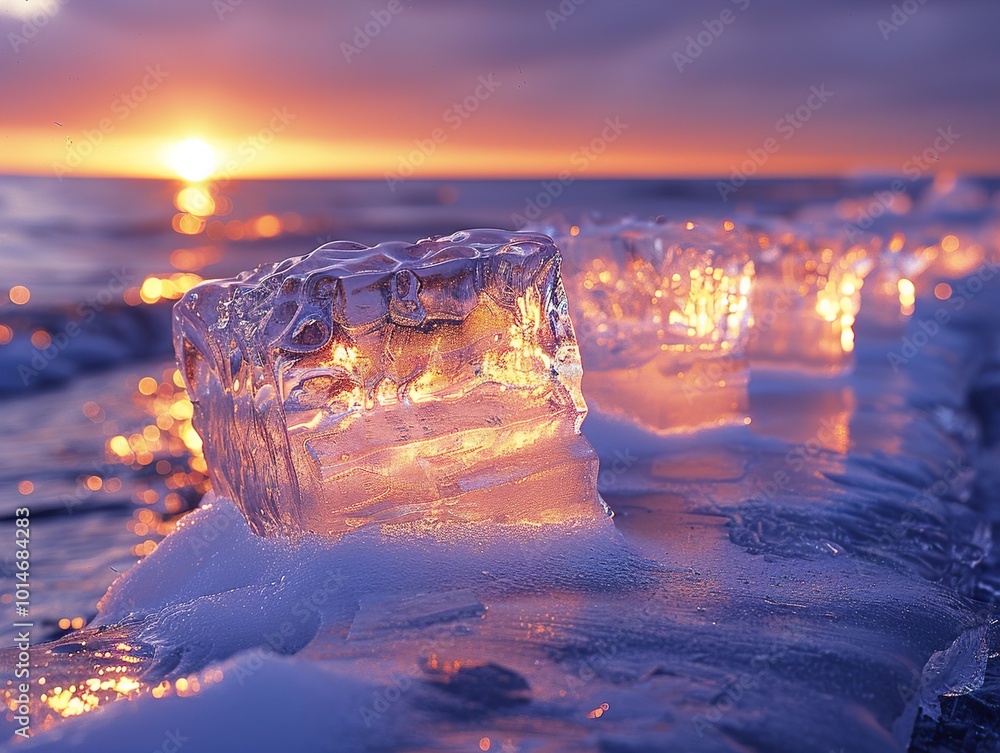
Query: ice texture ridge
(406, 385)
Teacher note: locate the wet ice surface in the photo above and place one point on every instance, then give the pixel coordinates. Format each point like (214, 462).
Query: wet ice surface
(804, 583)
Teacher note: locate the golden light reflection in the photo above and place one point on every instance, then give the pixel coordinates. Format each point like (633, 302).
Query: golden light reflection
(599, 711)
(88, 695)
(167, 444)
(253, 228)
(958, 254)
(907, 296)
(267, 226)
(195, 200)
(147, 386)
(86, 670)
(942, 291)
(6, 334)
(41, 339)
(193, 259)
(19, 295)
(170, 287)
(187, 224)
(902, 262)
(950, 244)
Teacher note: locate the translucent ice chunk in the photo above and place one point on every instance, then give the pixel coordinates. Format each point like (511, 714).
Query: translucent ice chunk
(902, 261)
(404, 384)
(917, 252)
(662, 312)
(806, 296)
(954, 250)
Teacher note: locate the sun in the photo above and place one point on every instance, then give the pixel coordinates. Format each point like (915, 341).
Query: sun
(24, 11)
(193, 160)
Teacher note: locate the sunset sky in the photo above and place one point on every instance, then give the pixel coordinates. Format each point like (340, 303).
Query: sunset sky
(365, 88)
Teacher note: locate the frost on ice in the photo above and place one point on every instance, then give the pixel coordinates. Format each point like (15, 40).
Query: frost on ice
(407, 385)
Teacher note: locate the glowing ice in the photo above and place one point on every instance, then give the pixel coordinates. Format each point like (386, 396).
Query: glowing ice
(662, 312)
(404, 384)
(806, 296)
(902, 262)
(916, 252)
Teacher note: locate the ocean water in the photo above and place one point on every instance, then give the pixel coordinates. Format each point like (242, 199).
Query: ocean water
(824, 579)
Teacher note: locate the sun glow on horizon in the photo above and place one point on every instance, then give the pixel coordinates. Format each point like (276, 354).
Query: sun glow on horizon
(193, 160)
(25, 11)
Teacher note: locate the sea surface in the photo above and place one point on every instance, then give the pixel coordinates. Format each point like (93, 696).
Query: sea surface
(825, 579)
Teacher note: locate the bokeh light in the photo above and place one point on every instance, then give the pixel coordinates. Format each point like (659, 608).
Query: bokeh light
(19, 295)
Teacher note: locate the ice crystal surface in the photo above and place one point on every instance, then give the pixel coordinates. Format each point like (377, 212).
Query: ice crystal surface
(409, 385)
(807, 295)
(663, 316)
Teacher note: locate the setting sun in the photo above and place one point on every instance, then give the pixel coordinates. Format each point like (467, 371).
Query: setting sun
(193, 159)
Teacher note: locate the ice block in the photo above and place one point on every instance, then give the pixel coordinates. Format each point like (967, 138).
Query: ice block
(919, 251)
(663, 316)
(410, 386)
(806, 296)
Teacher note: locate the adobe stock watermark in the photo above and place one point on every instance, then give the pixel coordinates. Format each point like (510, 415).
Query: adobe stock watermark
(612, 468)
(123, 105)
(924, 330)
(208, 532)
(223, 8)
(914, 168)
(901, 13)
(33, 25)
(455, 116)
(586, 671)
(86, 312)
(561, 13)
(252, 146)
(401, 683)
(797, 458)
(287, 637)
(363, 35)
(766, 314)
(173, 741)
(81, 492)
(388, 694)
(580, 160)
(955, 475)
(729, 696)
(714, 28)
(787, 127)
(720, 369)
